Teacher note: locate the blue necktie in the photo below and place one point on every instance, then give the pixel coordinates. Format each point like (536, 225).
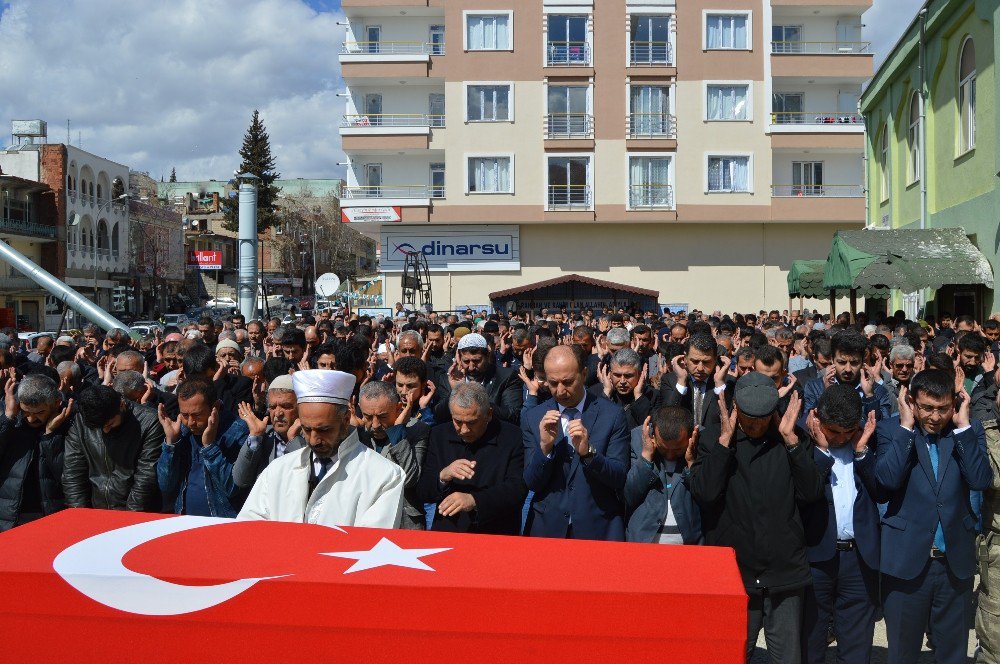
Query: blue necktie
(934, 454)
(571, 414)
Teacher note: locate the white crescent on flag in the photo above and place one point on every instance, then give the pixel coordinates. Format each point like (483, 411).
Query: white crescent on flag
(94, 567)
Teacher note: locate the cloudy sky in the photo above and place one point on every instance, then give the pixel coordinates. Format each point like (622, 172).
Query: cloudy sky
(156, 85)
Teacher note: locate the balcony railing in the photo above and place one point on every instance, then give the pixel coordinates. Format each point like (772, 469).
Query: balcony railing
(786, 118)
(817, 191)
(569, 197)
(391, 48)
(392, 120)
(86, 199)
(561, 54)
(651, 125)
(569, 125)
(72, 197)
(651, 196)
(394, 191)
(650, 54)
(821, 48)
(104, 253)
(22, 227)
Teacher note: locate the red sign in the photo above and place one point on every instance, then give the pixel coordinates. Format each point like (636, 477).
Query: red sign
(371, 214)
(259, 591)
(205, 260)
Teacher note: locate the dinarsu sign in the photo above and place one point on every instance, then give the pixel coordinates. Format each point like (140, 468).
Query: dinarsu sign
(487, 248)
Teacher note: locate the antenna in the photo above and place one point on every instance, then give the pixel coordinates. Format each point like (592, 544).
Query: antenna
(67, 131)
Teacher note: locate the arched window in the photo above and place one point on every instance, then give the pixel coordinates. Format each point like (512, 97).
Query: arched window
(114, 241)
(967, 97)
(914, 137)
(91, 190)
(883, 161)
(100, 194)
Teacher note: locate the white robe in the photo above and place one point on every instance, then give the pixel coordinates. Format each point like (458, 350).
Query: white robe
(361, 488)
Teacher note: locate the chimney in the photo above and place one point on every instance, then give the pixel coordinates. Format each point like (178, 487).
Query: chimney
(215, 201)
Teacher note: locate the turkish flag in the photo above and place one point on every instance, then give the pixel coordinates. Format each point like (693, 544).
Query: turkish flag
(101, 586)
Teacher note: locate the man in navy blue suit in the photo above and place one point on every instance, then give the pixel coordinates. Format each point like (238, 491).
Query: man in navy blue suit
(842, 531)
(849, 368)
(576, 456)
(930, 457)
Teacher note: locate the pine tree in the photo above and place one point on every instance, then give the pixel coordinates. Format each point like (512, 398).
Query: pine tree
(173, 175)
(257, 159)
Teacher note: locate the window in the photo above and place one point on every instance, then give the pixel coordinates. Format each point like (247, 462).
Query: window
(729, 174)
(883, 162)
(650, 43)
(489, 103)
(568, 111)
(569, 183)
(787, 107)
(914, 137)
(490, 175)
(487, 32)
(967, 98)
(649, 183)
(728, 102)
(437, 180)
(727, 31)
(567, 40)
(786, 39)
(437, 39)
(435, 109)
(807, 178)
(649, 111)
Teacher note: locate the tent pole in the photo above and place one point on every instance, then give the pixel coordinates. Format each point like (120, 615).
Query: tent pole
(833, 304)
(854, 304)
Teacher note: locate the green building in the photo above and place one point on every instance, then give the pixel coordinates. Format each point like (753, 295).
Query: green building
(931, 141)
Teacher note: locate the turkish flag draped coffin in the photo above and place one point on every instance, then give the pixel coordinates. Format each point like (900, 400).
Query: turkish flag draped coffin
(99, 586)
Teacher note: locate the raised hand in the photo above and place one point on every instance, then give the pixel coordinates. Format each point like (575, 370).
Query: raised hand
(787, 426)
(679, 369)
(906, 419)
(429, 391)
(460, 469)
(864, 436)
(549, 430)
(641, 385)
(355, 420)
(171, 428)
(221, 371)
(784, 390)
(604, 375)
(815, 432)
(208, 435)
(528, 357)
(691, 453)
(867, 380)
(959, 379)
(11, 405)
(295, 429)
(989, 361)
(721, 369)
(727, 422)
(648, 441)
(578, 436)
(961, 416)
(456, 375)
(256, 425)
(409, 400)
(59, 418)
(830, 377)
(532, 384)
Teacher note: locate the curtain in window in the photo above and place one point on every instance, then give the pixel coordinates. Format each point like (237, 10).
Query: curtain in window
(489, 102)
(490, 174)
(727, 102)
(741, 173)
(649, 178)
(650, 107)
(488, 32)
(726, 31)
(729, 174)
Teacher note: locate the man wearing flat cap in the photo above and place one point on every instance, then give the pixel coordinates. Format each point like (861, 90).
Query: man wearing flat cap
(747, 478)
(334, 480)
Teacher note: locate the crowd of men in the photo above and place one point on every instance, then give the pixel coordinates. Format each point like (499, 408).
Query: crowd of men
(853, 465)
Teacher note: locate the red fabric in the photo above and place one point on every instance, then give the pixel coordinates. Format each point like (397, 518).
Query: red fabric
(488, 598)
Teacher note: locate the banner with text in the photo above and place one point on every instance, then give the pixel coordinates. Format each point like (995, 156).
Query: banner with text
(453, 248)
(370, 214)
(205, 260)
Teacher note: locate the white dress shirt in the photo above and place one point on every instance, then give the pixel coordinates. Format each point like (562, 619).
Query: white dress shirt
(845, 491)
(564, 418)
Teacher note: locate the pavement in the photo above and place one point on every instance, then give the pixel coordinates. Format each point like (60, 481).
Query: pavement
(879, 652)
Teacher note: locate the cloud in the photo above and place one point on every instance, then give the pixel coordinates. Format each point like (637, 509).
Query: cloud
(161, 85)
(885, 22)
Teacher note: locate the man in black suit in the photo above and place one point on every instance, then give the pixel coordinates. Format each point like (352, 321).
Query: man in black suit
(698, 378)
(624, 382)
(842, 531)
(475, 362)
(473, 469)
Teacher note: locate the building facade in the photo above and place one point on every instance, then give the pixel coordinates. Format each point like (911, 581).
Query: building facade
(92, 220)
(932, 138)
(157, 259)
(695, 149)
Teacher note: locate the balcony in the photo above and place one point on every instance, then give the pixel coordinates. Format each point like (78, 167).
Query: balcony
(569, 125)
(821, 48)
(385, 51)
(406, 131)
(785, 122)
(817, 191)
(651, 197)
(569, 197)
(15, 281)
(650, 131)
(651, 54)
(567, 54)
(822, 59)
(417, 195)
(9, 225)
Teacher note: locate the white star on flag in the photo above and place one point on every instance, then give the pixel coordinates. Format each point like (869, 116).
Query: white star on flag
(387, 553)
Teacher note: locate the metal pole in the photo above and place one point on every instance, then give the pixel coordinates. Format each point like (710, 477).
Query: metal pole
(248, 246)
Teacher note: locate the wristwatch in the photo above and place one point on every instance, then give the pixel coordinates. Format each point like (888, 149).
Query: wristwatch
(590, 453)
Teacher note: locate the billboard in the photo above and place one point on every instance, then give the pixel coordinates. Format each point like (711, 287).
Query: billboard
(370, 214)
(205, 260)
(453, 248)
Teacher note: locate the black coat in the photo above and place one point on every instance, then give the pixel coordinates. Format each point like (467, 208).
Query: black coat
(748, 496)
(115, 471)
(497, 484)
(636, 410)
(23, 447)
(233, 389)
(669, 396)
(506, 392)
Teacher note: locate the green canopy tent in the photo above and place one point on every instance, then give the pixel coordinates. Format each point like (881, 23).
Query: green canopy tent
(805, 279)
(909, 260)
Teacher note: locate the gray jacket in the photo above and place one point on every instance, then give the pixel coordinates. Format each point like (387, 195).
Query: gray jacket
(409, 455)
(251, 463)
(646, 499)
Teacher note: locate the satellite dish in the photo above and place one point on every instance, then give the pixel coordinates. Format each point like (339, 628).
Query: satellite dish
(327, 284)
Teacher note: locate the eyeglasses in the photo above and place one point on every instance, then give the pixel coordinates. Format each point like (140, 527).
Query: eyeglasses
(944, 411)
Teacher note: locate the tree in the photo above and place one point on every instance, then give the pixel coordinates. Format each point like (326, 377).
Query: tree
(257, 159)
(173, 175)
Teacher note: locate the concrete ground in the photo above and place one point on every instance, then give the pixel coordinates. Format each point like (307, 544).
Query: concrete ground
(879, 652)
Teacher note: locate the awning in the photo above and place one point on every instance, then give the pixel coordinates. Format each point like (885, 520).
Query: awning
(571, 279)
(904, 259)
(805, 279)
(575, 292)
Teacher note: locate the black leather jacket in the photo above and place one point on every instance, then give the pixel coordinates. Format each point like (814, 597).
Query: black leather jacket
(19, 444)
(115, 470)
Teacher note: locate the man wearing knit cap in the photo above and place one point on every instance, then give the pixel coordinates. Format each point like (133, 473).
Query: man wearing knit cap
(271, 437)
(334, 480)
(475, 362)
(747, 478)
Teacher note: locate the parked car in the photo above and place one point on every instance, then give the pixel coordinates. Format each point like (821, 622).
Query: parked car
(222, 303)
(146, 327)
(30, 339)
(174, 319)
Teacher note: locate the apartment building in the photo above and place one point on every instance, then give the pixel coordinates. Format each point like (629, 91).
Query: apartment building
(680, 152)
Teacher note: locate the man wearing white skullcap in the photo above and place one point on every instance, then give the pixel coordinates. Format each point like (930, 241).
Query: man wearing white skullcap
(334, 480)
(270, 437)
(476, 362)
